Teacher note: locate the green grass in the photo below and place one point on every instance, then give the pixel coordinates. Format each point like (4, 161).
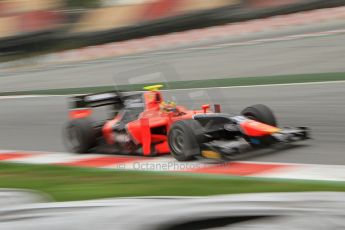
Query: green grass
(240, 81)
(67, 183)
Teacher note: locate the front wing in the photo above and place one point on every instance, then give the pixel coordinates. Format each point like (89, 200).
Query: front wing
(227, 149)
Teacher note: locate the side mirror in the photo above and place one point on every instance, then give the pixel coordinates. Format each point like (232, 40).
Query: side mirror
(205, 107)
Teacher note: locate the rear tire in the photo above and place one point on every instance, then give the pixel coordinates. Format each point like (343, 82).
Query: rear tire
(182, 140)
(260, 113)
(80, 136)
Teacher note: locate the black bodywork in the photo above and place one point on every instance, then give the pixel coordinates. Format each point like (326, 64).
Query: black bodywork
(223, 135)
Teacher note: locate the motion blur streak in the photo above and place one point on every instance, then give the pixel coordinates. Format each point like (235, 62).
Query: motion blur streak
(317, 211)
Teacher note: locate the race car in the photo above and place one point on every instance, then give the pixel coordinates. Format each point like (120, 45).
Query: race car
(143, 123)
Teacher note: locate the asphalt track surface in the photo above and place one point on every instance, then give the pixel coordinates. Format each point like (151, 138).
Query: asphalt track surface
(36, 123)
(216, 59)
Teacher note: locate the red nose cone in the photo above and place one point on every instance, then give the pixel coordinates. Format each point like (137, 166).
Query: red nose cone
(257, 129)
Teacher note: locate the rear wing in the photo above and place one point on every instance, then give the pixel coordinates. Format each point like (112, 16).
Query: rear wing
(96, 100)
(81, 105)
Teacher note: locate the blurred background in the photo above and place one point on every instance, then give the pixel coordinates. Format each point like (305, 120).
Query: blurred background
(40, 26)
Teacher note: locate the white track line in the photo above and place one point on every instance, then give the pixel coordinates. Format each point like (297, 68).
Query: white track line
(267, 85)
(29, 96)
(205, 88)
(267, 40)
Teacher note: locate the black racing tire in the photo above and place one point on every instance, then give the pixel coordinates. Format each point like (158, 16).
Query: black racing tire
(182, 140)
(80, 135)
(260, 113)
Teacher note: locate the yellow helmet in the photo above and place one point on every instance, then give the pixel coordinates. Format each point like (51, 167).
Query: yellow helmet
(153, 87)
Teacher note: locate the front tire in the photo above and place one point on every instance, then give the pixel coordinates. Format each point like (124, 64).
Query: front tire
(80, 136)
(182, 140)
(260, 113)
